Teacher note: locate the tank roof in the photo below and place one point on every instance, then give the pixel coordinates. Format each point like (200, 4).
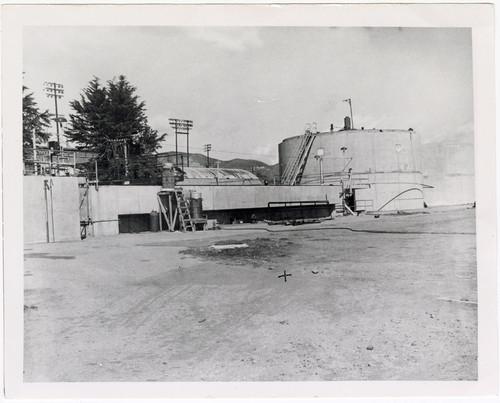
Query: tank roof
(375, 130)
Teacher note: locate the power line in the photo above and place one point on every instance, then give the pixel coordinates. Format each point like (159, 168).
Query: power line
(228, 152)
(55, 90)
(181, 126)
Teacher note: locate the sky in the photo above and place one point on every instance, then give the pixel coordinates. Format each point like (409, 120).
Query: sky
(248, 88)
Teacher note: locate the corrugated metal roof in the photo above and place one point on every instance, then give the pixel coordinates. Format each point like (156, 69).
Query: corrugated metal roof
(221, 173)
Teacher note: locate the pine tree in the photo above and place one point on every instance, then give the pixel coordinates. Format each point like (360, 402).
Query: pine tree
(107, 117)
(112, 121)
(35, 120)
(89, 124)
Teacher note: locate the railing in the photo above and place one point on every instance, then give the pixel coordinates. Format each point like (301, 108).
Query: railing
(135, 171)
(364, 205)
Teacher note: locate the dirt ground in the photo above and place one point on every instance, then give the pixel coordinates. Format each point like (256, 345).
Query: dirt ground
(388, 298)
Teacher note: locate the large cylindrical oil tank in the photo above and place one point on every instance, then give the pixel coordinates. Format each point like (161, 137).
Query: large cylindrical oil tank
(382, 166)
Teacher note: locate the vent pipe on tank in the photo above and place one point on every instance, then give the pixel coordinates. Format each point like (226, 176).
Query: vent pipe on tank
(347, 123)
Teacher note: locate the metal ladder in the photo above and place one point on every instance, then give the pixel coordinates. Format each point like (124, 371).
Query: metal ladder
(185, 220)
(297, 162)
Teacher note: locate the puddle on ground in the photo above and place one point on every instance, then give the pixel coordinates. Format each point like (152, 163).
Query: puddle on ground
(258, 250)
(47, 256)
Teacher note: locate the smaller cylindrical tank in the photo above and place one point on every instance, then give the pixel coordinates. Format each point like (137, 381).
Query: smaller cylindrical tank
(154, 221)
(168, 176)
(196, 205)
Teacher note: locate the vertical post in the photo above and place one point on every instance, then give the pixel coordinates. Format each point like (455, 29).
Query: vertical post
(57, 114)
(96, 177)
(45, 182)
(51, 157)
(172, 224)
(125, 153)
(161, 212)
(207, 148)
(352, 119)
(52, 211)
(88, 202)
(34, 152)
(321, 171)
(57, 129)
(187, 140)
(350, 108)
(176, 160)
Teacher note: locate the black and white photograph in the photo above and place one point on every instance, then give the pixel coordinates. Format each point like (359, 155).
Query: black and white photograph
(261, 202)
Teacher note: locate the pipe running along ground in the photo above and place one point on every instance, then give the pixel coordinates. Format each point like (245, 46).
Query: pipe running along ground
(369, 231)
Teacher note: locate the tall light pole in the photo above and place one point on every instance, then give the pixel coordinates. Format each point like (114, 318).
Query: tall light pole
(207, 148)
(181, 126)
(350, 107)
(55, 91)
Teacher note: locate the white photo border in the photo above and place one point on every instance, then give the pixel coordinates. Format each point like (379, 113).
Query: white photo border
(479, 17)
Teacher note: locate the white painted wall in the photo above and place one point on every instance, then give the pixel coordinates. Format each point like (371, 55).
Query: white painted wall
(232, 197)
(108, 202)
(65, 203)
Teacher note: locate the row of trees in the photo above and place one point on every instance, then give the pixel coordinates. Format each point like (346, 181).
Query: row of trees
(33, 119)
(107, 119)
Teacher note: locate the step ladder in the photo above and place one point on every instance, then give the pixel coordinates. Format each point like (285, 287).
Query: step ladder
(185, 220)
(294, 169)
(339, 208)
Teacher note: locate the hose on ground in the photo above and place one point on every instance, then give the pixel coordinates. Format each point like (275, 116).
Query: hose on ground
(352, 230)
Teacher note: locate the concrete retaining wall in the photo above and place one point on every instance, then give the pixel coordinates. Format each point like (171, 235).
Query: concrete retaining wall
(64, 205)
(231, 197)
(110, 201)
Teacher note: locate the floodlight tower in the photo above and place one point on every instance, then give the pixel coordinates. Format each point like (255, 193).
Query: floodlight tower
(181, 126)
(55, 91)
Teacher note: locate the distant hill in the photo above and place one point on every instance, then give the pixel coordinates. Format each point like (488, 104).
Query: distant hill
(259, 168)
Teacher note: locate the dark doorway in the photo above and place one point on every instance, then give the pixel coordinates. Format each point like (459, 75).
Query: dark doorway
(131, 223)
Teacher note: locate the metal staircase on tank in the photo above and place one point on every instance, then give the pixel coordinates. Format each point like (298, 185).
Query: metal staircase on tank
(294, 169)
(185, 220)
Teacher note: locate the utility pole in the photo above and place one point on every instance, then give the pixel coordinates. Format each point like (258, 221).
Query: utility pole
(55, 91)
(350, 107)
(181, 126)
(35, 167)
(207, 148)
(125, 153)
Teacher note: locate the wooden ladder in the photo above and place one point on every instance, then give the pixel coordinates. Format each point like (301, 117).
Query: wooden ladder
(294, 169)
(185, 220)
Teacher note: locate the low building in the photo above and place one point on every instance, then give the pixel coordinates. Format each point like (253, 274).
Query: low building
(217, 177)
